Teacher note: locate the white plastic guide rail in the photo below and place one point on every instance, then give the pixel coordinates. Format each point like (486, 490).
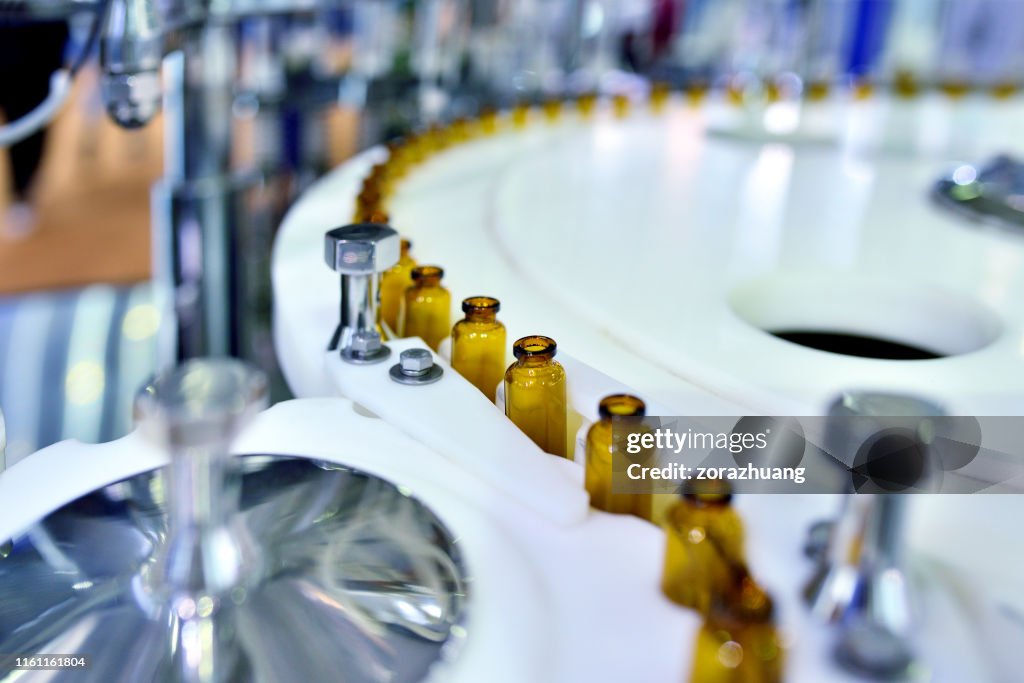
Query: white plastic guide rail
(453, 418)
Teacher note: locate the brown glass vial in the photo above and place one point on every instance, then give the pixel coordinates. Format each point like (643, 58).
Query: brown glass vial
(704, 550)
(393, 284)
(660, 94)
(478, 344)
(621, 105)
(586, 104)
(552, 109)
(427, 309)
(489, 121)
(603, 445)
(738, 642)
(520, 116)
(696, 93)
(535, 396)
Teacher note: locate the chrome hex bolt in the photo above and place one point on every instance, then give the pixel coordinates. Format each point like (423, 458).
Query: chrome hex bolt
(416, 366)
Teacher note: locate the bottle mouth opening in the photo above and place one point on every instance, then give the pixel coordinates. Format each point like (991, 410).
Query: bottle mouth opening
(621, 405)
(427, 272)
(406, 245)
(533, 346)
(707, 491)
(481, 304)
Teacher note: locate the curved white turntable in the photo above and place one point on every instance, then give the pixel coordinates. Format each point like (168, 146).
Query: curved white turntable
(662, 256)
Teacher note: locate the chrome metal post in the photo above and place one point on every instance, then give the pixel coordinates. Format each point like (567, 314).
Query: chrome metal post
(196, 251)
(360, 253)
(860, 582)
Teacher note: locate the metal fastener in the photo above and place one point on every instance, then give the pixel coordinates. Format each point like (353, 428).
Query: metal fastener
(416, 366)
(359, 254)
(365, 347)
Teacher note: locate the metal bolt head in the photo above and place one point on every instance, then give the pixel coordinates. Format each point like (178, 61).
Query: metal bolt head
(416, 361)
(361, 249)
(365, 342)
(416, 367)
(132, 99)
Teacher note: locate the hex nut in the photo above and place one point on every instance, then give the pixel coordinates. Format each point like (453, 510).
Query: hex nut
(364, 342)
(361, 249)
(416, 361)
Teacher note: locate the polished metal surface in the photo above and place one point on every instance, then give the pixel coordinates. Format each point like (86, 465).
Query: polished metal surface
(362, 582)
(860, 582)
(366, 348)
(416, 366)
(259, 568)
(359, 253)
(131, 49)
(991, 193)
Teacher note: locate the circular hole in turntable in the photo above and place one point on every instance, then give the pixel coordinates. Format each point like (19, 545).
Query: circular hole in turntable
(865, 317)
(859, 345)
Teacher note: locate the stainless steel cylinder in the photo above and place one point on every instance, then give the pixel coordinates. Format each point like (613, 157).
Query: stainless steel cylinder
(360, 253)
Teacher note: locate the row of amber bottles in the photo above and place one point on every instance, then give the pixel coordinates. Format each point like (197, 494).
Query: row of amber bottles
(413, 302)
(403, 155)
(705, 569)
(704, 566)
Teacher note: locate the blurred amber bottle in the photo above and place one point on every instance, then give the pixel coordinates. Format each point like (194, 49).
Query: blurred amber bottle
(478, 344)
(427, 310)
(552, 109)
(393, 284)
(489, 121)
(621, 105)
(535, 398)
(520, 115)
(738, 642)
(602, 446)
(696, 92)
(586, 103)
(660, 94)
(704, 545)
(817, 91)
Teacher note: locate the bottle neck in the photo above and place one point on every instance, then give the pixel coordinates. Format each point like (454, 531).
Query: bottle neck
(535, 361)
(482, 316)
(428, 281)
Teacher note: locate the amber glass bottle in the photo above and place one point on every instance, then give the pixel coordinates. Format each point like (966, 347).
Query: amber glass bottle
(552, 109)
(478, 344)
(586, 104)
(427, 309)
(393, 284)
(738, 642)
(696, 93)
(520, 115)
(621, 105)
(660, 94)
(535, 398)
(489, 121)
(602, 447)
(704, 545)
